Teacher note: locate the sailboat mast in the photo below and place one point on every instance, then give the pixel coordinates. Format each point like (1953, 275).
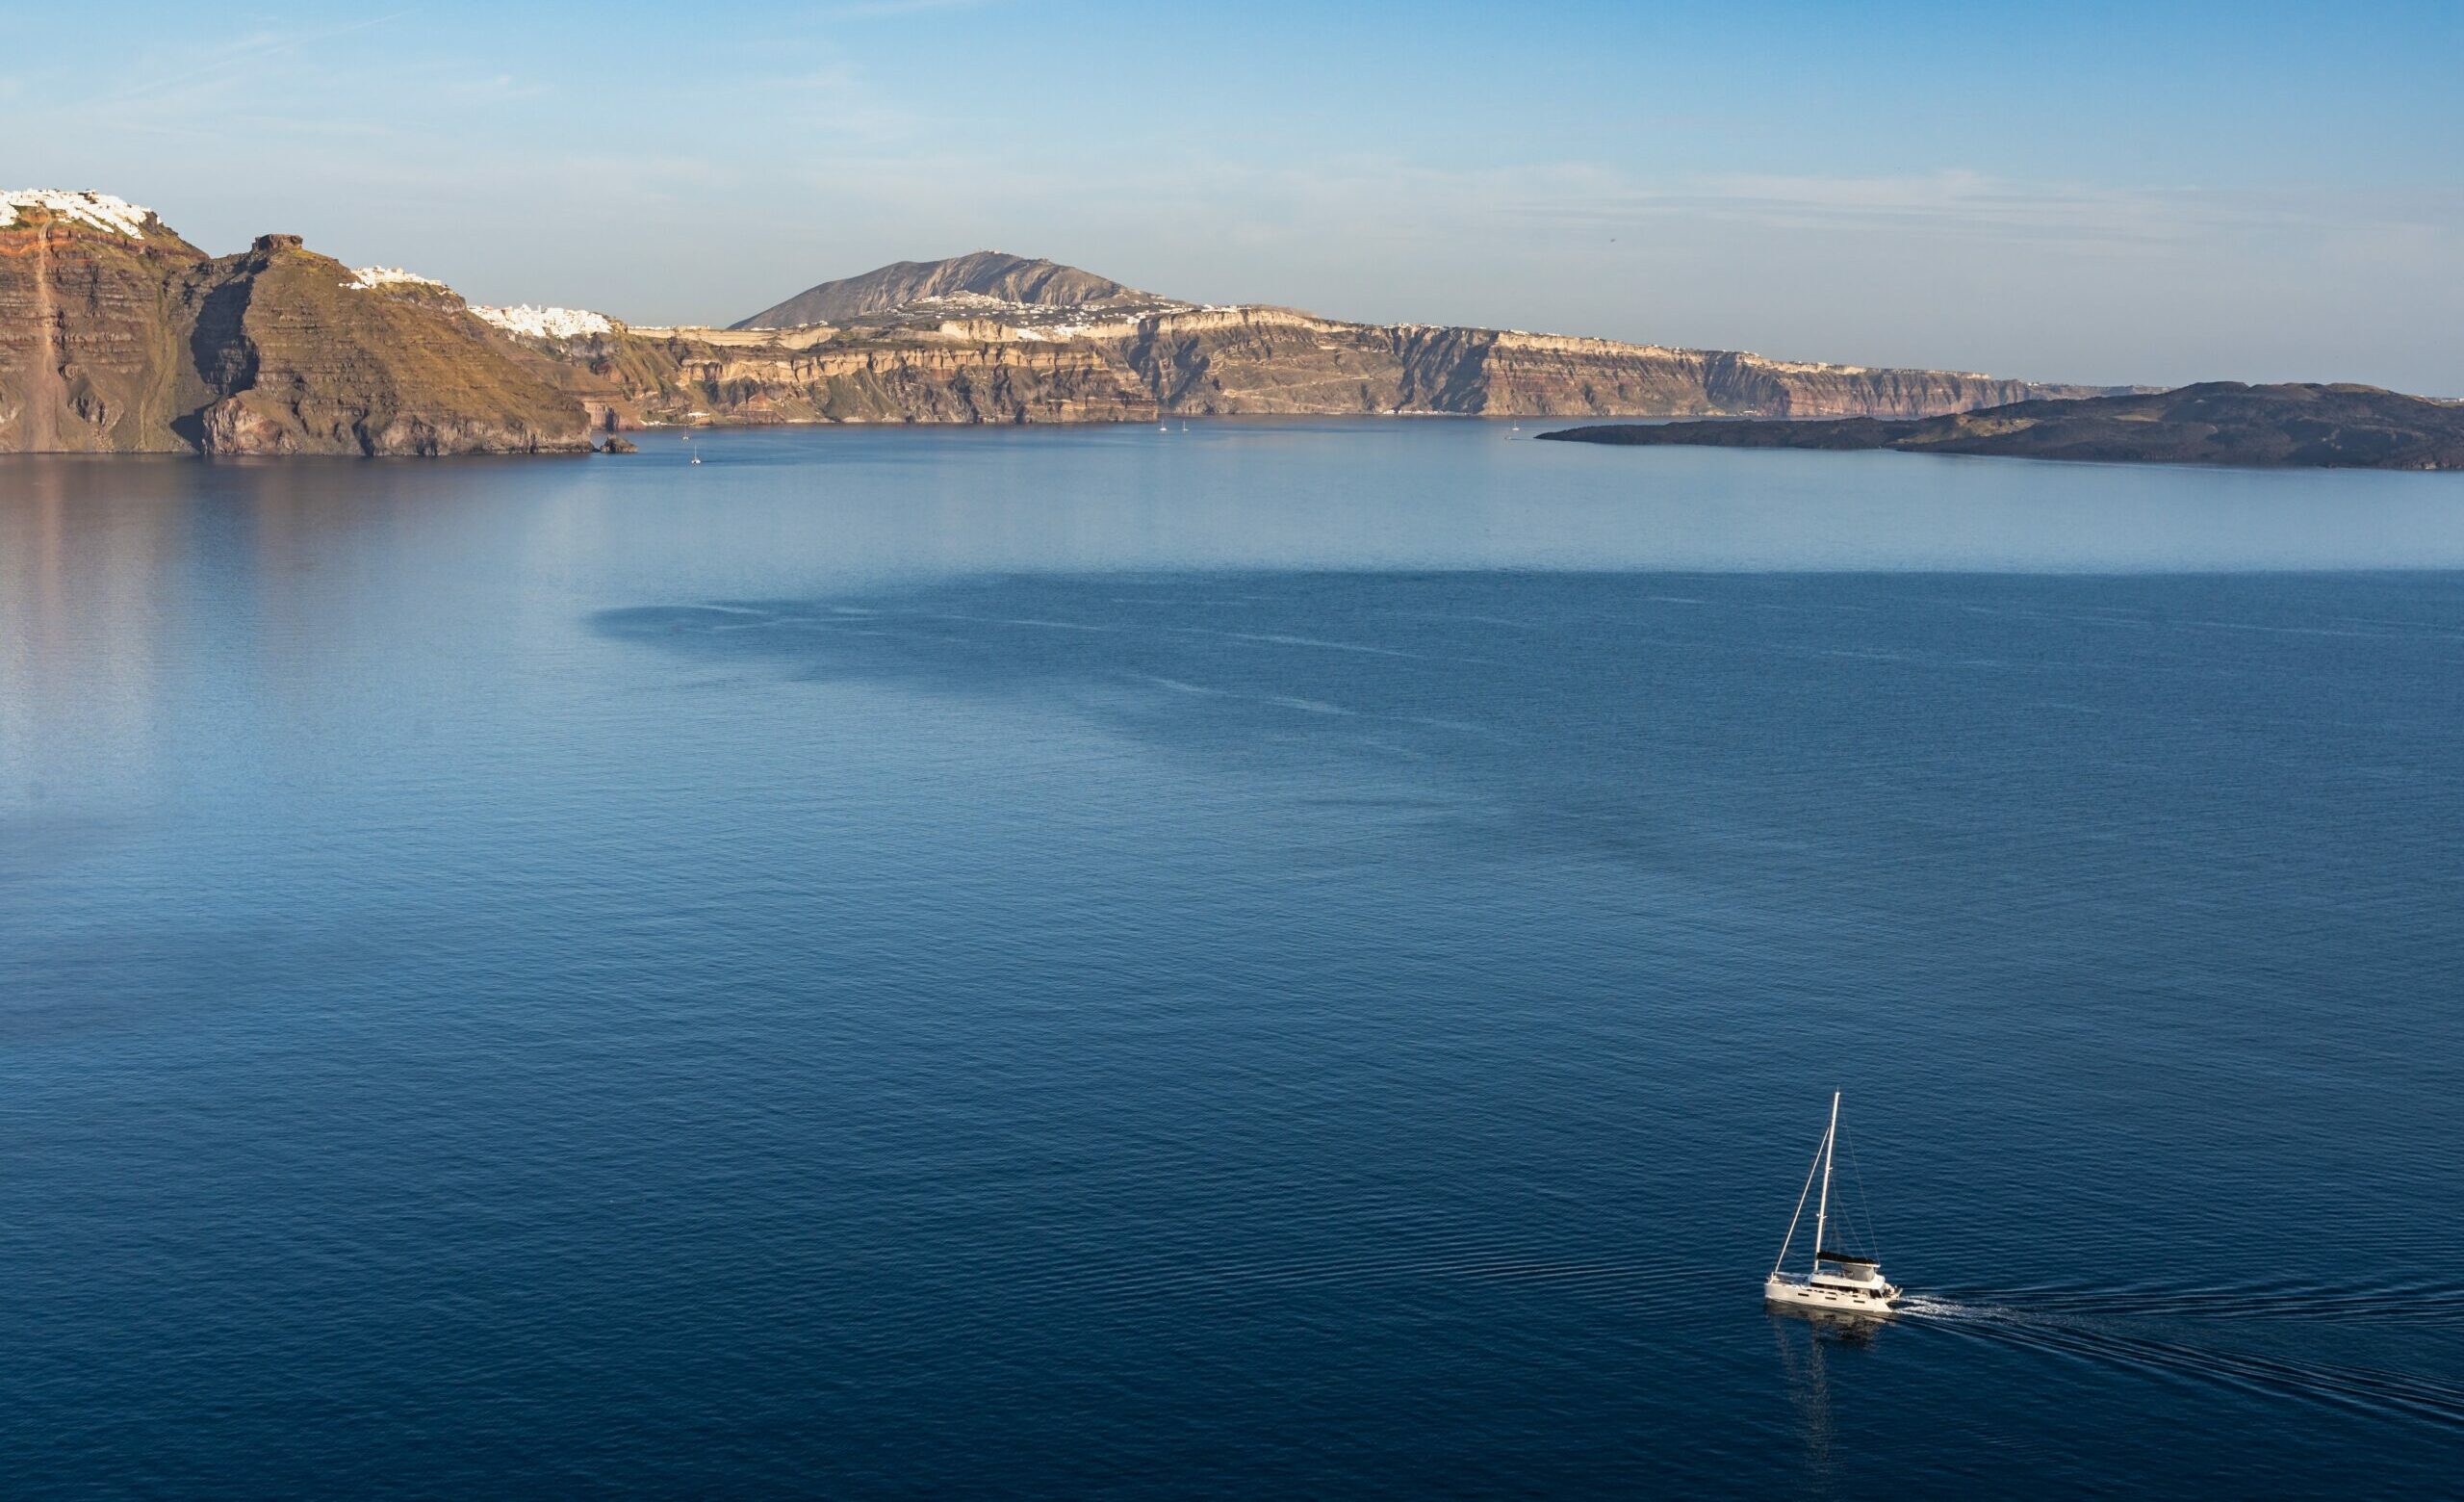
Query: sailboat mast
(1822, 1207)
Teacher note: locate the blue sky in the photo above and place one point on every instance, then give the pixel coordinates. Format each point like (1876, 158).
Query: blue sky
(2155, 192)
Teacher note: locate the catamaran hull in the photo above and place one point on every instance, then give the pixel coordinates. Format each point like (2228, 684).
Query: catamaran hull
(1872, 1304)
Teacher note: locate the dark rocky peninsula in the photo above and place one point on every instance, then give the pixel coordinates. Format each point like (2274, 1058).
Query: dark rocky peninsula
(2338, 427)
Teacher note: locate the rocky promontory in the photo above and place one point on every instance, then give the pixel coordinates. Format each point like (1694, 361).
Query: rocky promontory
(118, 336)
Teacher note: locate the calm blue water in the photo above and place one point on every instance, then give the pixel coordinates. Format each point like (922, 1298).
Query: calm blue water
(1280, 961)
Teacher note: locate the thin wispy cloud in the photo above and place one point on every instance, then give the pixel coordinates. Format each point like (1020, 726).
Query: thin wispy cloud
(219, 69)
(1473, 172)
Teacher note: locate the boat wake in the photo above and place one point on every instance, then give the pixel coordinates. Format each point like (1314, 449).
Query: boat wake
(2408, 1303)
(1929, 1307)
(2104, 1332)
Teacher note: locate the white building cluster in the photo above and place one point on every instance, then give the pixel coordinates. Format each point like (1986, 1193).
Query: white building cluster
(366, 276)
(97, 209)
(546, 322)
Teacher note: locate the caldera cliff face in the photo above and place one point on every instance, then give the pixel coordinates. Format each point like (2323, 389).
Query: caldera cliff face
(91, 350)
(983, 368)
(118, 336)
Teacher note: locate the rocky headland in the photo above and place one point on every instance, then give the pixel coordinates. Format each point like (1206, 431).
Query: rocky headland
(118, 336)
(2314, 426)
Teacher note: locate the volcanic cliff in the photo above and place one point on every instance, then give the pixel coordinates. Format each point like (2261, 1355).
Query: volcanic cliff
(990, 337)
(117, 335)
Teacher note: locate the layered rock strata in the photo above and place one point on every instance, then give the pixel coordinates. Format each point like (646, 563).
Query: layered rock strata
(92, 344)
(118, 336)
(1218, 361)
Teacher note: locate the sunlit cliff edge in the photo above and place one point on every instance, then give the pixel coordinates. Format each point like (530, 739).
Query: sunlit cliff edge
(117, 335)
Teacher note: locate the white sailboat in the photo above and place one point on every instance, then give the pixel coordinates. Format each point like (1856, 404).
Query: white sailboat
(1838, 1282)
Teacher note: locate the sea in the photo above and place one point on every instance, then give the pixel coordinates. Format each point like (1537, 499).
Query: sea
(1273, 959)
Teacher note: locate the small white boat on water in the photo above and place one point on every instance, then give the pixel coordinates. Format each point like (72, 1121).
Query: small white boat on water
(1839, 1283)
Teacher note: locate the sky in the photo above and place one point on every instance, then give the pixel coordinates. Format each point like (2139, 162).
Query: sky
(2152, 193)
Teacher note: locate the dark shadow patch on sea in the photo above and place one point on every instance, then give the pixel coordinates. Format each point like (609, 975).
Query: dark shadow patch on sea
(1891, 740)
(1520, 708)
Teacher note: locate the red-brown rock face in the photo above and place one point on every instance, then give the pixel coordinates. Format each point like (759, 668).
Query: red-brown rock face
(89, 356)
(116, 335)
(301, 358)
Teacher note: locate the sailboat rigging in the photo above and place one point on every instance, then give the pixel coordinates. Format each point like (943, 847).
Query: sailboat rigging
(1838, 1282)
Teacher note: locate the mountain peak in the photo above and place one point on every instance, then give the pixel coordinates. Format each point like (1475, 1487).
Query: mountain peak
(985, 273)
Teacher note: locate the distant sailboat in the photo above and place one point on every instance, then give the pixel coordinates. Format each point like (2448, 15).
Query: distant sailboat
(1838, 1282)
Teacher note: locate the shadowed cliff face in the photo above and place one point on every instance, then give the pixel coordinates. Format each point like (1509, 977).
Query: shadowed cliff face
(113, 342)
